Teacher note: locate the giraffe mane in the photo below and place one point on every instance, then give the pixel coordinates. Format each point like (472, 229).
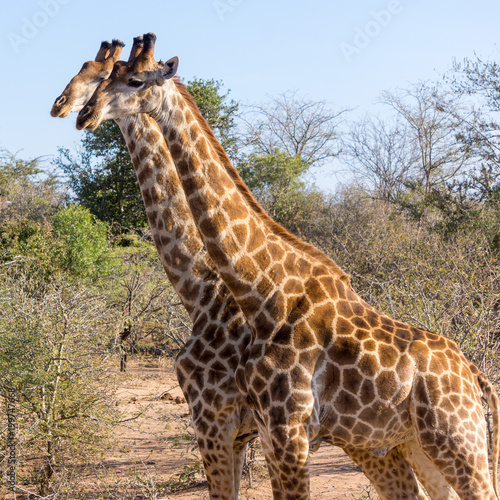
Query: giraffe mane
(246, 193)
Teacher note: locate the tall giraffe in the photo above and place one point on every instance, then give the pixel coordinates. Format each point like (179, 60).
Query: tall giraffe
(322, 364)
(206, 364)
(86, 81)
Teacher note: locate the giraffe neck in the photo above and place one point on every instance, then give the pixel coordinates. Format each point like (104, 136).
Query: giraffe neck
(253, 257)
(177, 240)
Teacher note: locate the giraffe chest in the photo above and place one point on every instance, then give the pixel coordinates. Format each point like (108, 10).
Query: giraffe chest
(357, 412)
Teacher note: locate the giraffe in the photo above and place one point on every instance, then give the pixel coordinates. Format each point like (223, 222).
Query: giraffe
(322, 364)
(86, 82)
(205, 365)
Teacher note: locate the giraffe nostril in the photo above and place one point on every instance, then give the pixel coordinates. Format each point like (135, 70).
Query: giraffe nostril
(57, 106)
(84, 117)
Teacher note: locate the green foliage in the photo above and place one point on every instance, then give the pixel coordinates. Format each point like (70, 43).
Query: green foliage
(75, 245)
(27, 191)
(103, 179)
(85, 249)
(30, 249)
(274, 174)
(190, 475)
(15, 171)
(51, 359)
(276, 181)
(143, 298)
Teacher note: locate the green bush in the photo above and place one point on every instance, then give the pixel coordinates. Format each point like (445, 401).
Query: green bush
(30, 249)
(52, 360)
(85, 249)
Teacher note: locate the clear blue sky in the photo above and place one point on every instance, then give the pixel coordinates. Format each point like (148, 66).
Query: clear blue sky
(343, 52)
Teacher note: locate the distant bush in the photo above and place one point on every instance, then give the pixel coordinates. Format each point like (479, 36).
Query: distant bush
(448, 283)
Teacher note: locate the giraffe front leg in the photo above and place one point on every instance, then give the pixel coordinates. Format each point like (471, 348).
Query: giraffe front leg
(272, 465)
(281, 490)
(391, 475)
(220, 473)
(426, 472)
(217, 454)
(291, 455)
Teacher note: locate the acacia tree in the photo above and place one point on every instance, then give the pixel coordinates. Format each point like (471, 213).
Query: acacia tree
(27, 191)
(52, 359)
(480, 80)
(478, 77)
(145, 301)
(421, 163)
(434, 118)
(282, 139)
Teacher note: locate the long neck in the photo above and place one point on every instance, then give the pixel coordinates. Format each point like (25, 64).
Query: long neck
(177, 240)
(254, 258)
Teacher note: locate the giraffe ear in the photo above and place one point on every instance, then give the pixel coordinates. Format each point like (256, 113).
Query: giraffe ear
(170, 68)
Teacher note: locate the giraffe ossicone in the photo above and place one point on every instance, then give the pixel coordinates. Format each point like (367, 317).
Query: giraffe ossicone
(322, 365)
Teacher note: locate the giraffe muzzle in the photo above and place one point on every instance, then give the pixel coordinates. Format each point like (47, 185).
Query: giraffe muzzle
(84, 118)
(56, 110)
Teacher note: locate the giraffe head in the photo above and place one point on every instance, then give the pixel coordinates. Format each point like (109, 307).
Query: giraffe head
(82, 85)
(132, 88)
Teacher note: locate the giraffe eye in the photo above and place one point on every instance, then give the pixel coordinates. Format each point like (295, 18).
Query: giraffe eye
(135, 83)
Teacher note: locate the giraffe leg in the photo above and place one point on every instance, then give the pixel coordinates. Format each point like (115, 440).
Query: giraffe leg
(454, 439)
(426, 472)
(272, 467)
(291, 451)
(239, 458)
(286, 450)
(219, 469)
(239, 450)
(221, 452)
(391, 475)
